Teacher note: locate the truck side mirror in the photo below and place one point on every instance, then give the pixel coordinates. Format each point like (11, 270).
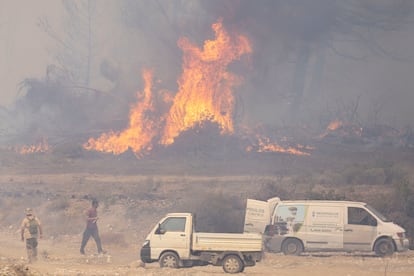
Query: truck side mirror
(160, 231)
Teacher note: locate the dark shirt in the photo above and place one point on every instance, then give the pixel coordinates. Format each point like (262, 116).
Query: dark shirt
(91, 213)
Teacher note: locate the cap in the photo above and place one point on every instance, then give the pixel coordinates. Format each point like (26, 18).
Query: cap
(28, 211)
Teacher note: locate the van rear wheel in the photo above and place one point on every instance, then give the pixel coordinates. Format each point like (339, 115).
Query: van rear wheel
(169, 259)
(384, 247)
(292, 247)
(232, 264)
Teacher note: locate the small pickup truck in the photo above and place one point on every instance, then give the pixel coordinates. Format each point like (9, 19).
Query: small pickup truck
(174, 243)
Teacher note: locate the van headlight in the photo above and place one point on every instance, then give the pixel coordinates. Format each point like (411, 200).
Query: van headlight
(146, 243)
(401, 235)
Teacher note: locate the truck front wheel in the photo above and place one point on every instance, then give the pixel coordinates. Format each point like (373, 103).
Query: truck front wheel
(232, 264)
(169, 259)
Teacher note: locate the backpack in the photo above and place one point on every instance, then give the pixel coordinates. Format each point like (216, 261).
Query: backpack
(33, 226)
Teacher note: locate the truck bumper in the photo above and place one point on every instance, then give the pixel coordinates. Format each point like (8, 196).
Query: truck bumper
(146, 254)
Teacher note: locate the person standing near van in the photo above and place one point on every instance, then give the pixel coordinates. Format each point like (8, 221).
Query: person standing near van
(31, 230)
(92, 228)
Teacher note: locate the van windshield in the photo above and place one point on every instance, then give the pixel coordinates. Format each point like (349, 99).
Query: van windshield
(377, 213)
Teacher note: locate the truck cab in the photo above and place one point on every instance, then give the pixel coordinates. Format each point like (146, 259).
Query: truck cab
(174, 231)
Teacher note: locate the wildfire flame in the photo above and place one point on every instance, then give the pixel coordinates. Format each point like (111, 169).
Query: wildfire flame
(342, 128)
(265, 145)
(142, 129)
(42, 146)
(205, 87)
(204, 93)
(334, 125)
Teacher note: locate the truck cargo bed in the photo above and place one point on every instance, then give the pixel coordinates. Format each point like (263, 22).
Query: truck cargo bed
(246, 242)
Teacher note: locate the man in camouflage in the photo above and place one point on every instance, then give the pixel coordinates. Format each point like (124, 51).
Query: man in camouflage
(31, 230)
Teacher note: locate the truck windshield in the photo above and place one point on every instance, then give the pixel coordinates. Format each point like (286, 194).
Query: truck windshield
(377, 213)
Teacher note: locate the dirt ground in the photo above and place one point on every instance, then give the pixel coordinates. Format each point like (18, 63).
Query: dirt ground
(130, 205)
(62, 258)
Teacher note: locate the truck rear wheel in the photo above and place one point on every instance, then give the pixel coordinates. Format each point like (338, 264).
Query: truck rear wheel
(169, 259)
(232, 264)
(292, 247)
(384, 247)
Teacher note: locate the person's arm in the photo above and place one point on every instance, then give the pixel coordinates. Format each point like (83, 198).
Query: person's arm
(40, 229)
(22, 231)
(89, 218)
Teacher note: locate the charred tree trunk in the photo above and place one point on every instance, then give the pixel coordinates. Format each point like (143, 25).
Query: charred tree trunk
(299, 78)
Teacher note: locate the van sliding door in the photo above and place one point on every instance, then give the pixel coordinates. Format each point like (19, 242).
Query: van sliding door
(324, 226)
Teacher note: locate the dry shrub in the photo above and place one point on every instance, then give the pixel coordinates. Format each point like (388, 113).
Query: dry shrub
(363, 174)
(217, 212)
(58, 204)
(268, 188)
(64, 217)
(325, 195)
(14, 214)
(17, 269)
(111, 238)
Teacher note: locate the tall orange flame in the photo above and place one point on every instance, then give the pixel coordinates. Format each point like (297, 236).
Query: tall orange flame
(205, 87)
(205, 93)
(142, 129)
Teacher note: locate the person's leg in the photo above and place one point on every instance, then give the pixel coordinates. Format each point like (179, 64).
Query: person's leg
(85, 239)
(97, 239)
(29, 249)
(34, 249)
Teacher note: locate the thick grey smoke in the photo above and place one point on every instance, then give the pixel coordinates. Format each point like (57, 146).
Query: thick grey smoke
(312, 62)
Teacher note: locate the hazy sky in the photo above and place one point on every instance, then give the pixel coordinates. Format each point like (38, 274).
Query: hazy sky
(23, 46)
(25, 52)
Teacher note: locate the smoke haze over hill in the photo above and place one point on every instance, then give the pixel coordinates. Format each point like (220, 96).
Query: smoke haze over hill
(312, 62)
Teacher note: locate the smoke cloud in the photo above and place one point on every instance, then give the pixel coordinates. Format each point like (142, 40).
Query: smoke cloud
(312, 62)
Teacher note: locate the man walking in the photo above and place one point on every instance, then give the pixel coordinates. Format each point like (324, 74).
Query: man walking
(31, 230)
(92, 228)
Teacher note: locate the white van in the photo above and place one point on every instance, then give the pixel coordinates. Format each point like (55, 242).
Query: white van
(292, 227)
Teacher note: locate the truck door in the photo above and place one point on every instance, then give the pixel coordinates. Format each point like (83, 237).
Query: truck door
(173, 233)
(257, 216)
(360, 229)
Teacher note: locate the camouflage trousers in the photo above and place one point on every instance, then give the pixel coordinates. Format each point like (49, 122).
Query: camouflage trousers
(31, 247)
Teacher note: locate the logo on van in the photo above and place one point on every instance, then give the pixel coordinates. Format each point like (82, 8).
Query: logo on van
(292, 216)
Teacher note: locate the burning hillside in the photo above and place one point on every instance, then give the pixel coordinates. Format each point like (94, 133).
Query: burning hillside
(141, 130)
(41, 146)
(205, 93)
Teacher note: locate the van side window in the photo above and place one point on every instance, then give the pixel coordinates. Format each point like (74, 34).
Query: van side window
(173, 224)
(360, 216)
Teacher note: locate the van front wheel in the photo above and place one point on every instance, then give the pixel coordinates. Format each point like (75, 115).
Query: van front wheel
(384, 247)
(292, 247)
